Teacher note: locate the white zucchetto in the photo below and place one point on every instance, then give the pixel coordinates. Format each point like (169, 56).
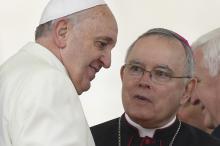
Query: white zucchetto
(59, 8)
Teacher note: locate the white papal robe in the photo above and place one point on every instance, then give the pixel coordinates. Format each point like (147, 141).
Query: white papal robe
(39, 105)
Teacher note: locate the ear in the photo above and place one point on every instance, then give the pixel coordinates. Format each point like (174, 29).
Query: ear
(189, 89)
(122, 72)
(60, 33)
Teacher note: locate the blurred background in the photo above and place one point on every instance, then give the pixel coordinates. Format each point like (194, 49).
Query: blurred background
(190, 18)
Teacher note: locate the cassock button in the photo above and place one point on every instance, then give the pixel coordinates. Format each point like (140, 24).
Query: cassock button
(148, 140)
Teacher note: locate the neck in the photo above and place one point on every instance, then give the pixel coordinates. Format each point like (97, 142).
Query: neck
(165, 136)
(47, 43)
(147, 131)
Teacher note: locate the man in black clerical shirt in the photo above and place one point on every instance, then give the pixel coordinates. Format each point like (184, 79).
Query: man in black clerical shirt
(206, 51)
(156, 80)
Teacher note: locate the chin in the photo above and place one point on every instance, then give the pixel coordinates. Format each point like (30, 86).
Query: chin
(137, 115)
(85, 88)
(209, 123)
(80, 90)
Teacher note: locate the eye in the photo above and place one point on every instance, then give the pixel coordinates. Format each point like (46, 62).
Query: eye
(136, 69)
(101, 44)
(161, 73)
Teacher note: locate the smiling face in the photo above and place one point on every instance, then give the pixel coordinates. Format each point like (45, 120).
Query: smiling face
(207, 91)
(147, 103)
(89, 45)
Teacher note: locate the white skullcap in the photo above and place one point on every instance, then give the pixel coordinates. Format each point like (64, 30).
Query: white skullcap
(59, 8)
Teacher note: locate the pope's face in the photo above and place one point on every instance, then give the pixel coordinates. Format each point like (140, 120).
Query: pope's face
(148, 103)
(89, 47)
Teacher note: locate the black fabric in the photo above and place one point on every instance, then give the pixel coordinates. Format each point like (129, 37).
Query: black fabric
(106, 134)
(216, 132)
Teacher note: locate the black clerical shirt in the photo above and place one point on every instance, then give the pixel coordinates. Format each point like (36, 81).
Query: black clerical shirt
(107, 134)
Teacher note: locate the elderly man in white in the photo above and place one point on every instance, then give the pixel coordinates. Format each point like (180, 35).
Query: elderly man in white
(39, 86)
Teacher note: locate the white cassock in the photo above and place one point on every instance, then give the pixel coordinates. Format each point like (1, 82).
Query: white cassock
(39, 105)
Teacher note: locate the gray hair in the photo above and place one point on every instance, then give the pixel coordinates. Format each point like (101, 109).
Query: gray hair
(43, 29)
(189, 66)
(209, 44)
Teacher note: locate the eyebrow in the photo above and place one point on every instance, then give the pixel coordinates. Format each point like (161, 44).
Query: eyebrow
(166, 67)
(108, 39)
(163, 66)
(136, 62)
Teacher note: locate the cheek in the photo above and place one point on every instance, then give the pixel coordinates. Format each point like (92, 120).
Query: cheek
(128, 88)
(170, 92)
(168, 101)
(210, 103)
(168, 98)
(206, 96)
(127, 83)
(126, 100)
(80, 49)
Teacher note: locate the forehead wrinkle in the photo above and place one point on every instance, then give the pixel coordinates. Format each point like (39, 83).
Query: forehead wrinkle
(91, 14)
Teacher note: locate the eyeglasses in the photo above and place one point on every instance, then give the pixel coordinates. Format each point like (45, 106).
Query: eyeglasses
(158, 74)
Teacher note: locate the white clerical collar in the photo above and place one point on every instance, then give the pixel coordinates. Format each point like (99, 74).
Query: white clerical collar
(147, 132)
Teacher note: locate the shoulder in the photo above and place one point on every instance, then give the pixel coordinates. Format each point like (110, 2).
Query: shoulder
(198, 137)
(28, 62)
(105, 127)
(216, 132)
(105, 133)
(34, 82)
(25, 70)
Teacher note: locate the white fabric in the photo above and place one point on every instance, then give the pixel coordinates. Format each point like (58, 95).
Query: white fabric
(39, 105)
(59, 8)
(143, 132)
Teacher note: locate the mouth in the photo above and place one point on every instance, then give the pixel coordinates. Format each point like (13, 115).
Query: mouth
(96, 69)
(92, 71)
(142, 98)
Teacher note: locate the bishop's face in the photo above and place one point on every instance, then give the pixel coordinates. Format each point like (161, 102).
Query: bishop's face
(148, 102)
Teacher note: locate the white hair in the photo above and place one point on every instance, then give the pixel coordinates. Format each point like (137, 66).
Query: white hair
(209, 44)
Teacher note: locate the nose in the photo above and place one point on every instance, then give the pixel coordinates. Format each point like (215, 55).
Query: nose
(146, 76)
(145, 80)
(106, 59)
